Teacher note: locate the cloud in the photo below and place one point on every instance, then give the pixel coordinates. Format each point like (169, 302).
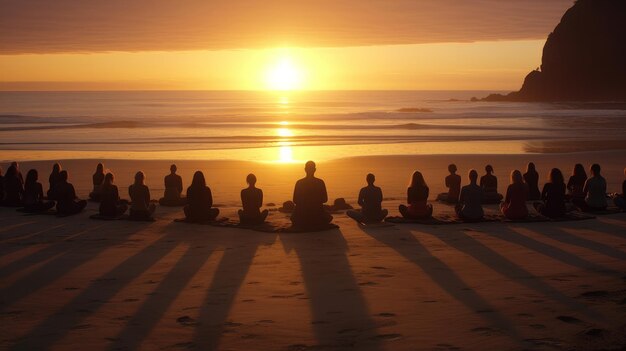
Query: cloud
(53, 26)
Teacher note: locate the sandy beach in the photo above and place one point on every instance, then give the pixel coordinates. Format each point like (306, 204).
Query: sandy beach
(120, 285)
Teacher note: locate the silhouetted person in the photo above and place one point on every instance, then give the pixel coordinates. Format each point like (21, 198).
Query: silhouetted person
(65, 195)
(140, 207)
(531, 178)
(18, 172)
(453, 183)
(33, 194)
(620, 199)
(200, 201)
(98, 179)
(417, 199)
(173, 189)
(252, 200)
(514, 205)
(595, 191)
(309, 195)
(553, 196)
(370, 200)
(13, 188)
(576, 185)
(489, 184)
(471, 199)
(53, 180)
(110, 203)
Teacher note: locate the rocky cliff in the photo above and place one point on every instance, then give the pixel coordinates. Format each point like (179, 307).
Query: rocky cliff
(584, 58)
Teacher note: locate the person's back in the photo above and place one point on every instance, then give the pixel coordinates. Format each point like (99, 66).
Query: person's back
(110, 201)
(417, 199)
(13, 188)
(531, 178)
(554, 199)
(596, 192)
(453, 182)
(65, 195)
(173, 186)
(139, 197)
(514, 205)
(489, 183)
(309, 196)
(470, 201)
(252, 200)
(33, 193)
(199, 200)
(370, 199)
(97, 180)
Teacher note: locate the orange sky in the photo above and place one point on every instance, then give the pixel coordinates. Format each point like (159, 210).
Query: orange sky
(237, 44)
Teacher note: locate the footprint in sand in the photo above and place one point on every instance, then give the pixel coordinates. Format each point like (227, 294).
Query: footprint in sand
(186, 321)
(319, 322)
(446, 347)
(569, 319)
(387, 314)
(551, 342)
(596, 293)
(368, 284)
(266, 321)
(378, 267)
(71, 288)
(389, 337)
(131, 300)
(594, 332)
(81, 326)
(486, 331)
(248, 300)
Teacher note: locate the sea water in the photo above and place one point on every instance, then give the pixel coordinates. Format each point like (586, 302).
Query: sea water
(293, 126)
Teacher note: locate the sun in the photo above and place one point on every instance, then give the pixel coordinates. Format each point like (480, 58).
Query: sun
(284, 74)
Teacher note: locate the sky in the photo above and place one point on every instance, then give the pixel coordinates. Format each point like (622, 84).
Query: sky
(272, 44)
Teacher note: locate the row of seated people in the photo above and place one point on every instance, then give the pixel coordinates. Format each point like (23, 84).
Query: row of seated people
(310, 195)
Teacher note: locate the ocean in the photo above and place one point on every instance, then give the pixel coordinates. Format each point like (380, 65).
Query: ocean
(293, 126)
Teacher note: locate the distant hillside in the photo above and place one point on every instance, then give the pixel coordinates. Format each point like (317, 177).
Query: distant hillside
(584, 58)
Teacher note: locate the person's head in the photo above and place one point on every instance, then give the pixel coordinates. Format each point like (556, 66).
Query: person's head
(100, 168)
(489, 169)
(530, 167)
(16, 165)
(579, 171)
(370, 179)
(251, 179)
(473, 176)
(63, 176)
(595, 169)
(309, 168)
(198, 180)
(31, 177)
(173, 169)
(108, 179)
(11, 172)
(556, 177)
(56, 168)
(140, 178)
(516, 177)
(417, 179)
(452, 168)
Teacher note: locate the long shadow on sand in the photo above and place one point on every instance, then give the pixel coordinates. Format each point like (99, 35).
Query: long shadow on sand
(406, 244)
(463, 242)
(516, 236)
(65, 251)
(324, 263)
(99, 292)
(240, 250)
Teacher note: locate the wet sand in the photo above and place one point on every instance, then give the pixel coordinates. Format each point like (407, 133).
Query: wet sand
(68, 283)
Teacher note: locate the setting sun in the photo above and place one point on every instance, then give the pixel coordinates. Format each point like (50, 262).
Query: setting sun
(284, 75)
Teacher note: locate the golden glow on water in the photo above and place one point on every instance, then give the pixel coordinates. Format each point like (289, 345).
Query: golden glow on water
(284, 132)
(285, 154)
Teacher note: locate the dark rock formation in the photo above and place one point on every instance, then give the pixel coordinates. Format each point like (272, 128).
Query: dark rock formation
(584, 58)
